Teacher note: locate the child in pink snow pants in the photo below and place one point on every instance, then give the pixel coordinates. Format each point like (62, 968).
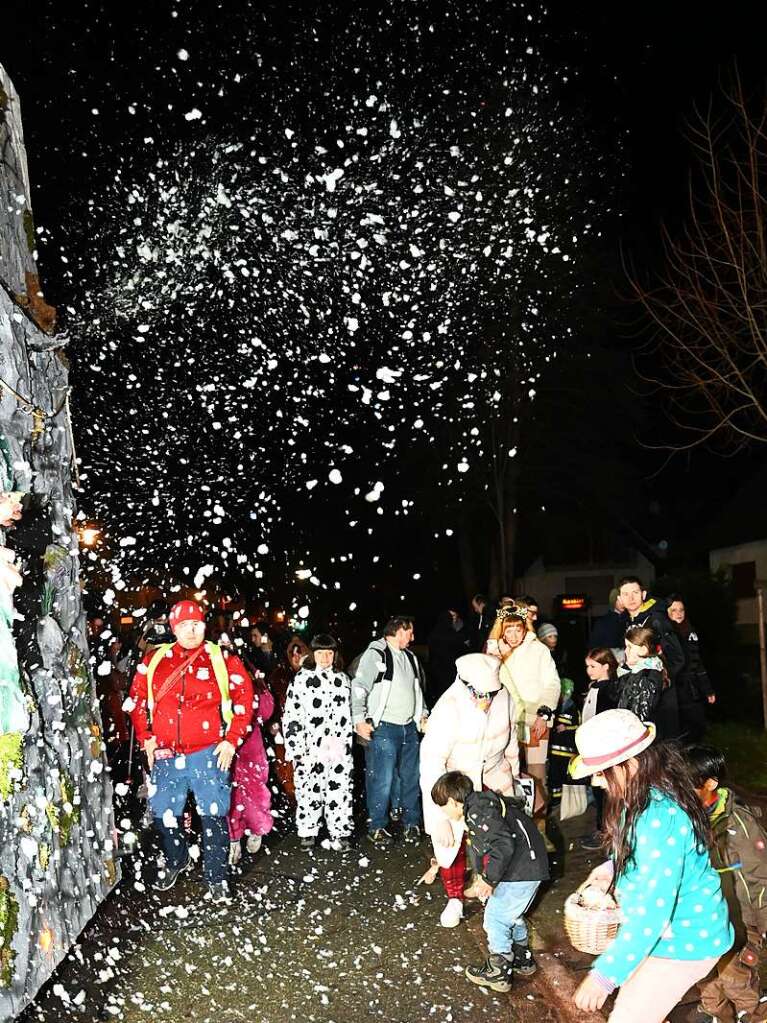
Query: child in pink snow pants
(250, 809)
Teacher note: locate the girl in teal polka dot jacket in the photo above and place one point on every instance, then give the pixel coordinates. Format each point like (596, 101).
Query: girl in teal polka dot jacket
(675, 920)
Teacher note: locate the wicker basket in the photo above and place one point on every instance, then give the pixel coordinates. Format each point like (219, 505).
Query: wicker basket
(589, 929)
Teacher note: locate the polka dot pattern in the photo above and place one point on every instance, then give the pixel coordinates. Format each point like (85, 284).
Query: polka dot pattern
(669, 891)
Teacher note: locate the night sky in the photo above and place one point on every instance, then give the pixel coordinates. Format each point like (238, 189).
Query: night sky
(108, 90)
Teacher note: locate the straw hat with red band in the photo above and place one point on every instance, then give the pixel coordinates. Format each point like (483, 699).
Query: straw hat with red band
(607, 739)
(185, 611)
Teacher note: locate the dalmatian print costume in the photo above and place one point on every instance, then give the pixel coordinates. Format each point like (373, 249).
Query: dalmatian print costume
(317, 726)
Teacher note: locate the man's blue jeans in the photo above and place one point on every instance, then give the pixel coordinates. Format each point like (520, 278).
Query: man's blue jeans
(504, 920)
(393, 749)
(170, 783)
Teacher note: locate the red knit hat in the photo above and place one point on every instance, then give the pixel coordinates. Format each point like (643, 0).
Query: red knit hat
(185, 611)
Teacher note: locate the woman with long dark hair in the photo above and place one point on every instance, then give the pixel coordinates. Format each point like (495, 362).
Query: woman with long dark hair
(656, 833)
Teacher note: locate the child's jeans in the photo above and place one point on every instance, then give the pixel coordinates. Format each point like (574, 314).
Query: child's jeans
(504, 919)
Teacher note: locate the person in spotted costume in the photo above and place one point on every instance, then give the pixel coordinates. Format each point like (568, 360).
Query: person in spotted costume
(675, 921)
(317, 725)
(191, 704)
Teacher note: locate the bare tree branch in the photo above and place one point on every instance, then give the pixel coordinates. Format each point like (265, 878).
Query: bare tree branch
(709, 307)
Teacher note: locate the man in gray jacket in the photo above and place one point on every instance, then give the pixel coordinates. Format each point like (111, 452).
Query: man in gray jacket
(388, 712)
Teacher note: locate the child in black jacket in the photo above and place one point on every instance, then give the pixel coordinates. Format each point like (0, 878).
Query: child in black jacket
(510, 859)
(640, 684)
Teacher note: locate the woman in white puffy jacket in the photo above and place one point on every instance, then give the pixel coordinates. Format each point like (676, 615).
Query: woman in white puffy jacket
(470, 729)
(528, 672)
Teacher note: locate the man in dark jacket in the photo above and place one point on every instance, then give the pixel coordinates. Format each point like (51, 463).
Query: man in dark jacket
(447, 641)
(510, 859)
(694, 689)
(609, 630)
(480, 622)
(651, 611)
(739, 854)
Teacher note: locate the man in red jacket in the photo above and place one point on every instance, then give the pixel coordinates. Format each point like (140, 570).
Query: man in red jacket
(191, 706)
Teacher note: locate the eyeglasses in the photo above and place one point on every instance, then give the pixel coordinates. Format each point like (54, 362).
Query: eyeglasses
(480, 696)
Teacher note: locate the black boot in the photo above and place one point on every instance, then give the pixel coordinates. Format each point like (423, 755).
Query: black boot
(524, 963)
(177, 859)
(496, 973)
(701, 1016)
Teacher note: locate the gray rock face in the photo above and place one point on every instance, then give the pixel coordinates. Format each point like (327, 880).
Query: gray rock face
(57, 839)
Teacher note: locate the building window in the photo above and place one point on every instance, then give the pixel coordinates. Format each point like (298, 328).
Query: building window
(743, 579)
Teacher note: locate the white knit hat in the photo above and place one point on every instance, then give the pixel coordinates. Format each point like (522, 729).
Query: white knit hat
(480, 671)
(547, 629)
(607, 739)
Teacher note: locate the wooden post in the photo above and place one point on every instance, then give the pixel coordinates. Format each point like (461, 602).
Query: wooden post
(760, 587)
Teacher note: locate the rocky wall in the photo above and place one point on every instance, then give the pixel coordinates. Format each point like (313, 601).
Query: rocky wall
(57, 851)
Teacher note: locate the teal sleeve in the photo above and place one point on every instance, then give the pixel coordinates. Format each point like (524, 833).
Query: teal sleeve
(647, 894)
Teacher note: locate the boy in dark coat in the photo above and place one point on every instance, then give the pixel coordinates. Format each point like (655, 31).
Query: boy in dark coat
(510, 860)
(739, 854)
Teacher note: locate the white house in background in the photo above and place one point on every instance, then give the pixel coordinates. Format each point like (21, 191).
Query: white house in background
(743, 563)
(736, 540)
(595, 580)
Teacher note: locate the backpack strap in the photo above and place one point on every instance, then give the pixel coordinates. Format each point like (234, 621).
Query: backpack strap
(415, 664)
(388, 673)
(155, 659)
(222, 679)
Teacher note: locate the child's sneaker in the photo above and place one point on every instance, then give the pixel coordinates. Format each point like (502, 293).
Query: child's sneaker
(452, 914)
(412, 834)
(308, 842)
(341, 844)
(253, 844)
(591, 843)
(524, 963)
(496, 973)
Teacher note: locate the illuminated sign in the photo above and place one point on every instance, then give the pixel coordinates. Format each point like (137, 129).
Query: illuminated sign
(573, 602)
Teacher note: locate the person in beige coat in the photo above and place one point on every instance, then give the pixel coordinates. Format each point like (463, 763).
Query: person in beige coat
(528, 673)
(472, 728)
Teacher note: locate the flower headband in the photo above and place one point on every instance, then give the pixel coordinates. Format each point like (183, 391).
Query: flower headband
(513, 611)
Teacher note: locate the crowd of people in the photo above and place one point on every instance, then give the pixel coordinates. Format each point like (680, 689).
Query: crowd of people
(472, 750)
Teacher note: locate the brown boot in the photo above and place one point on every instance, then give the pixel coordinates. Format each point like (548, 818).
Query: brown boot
(541, 825)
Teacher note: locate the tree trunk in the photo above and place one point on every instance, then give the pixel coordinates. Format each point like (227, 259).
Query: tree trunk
(467, 559)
